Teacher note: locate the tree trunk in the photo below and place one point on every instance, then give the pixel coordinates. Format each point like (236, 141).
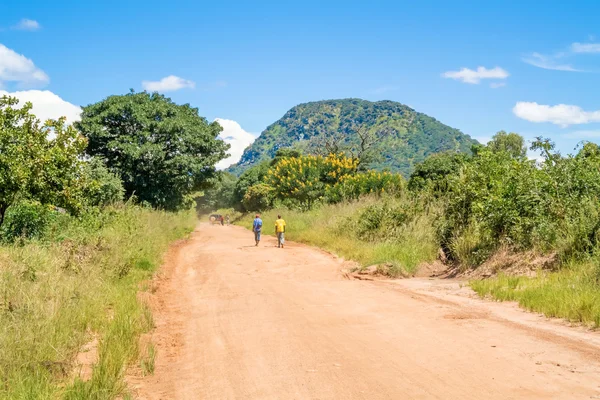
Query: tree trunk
(3, 208)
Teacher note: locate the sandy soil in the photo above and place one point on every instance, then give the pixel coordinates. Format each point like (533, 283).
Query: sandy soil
(238, 322)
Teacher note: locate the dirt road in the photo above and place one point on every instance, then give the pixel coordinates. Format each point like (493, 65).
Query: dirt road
(238, 322)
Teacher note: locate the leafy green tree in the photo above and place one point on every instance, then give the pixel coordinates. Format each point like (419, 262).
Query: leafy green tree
(258, 197)
(101, 186)
(588, 150)
(249, 177)
(434, 171)
(163, 152)
(38, 162)
(219, 195)
(512, 143)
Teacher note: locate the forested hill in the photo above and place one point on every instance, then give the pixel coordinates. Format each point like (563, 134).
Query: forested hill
(400, 136)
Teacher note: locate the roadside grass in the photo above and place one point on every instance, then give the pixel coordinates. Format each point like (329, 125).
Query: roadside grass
(571, 293)
(80, 280)
(147, 362)
(330, 227)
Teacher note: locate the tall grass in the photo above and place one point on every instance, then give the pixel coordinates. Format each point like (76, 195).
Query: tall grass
(80, 280)
(572, 293)
(336, 228)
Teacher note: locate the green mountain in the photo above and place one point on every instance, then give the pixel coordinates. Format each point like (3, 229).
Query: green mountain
(401, 136)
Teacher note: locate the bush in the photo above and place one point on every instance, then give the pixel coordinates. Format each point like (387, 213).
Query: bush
(26, 220)
(102, 187)
(258, 197)
(434, 171)
(351, 187)
(306, 178)
(249, 178)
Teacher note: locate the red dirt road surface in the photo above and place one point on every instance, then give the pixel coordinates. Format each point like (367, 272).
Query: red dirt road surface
(238, 322)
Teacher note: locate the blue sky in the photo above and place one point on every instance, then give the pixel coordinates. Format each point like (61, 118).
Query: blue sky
(247, 63)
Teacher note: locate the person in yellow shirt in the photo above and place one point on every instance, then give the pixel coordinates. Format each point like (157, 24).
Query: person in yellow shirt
(280, 231)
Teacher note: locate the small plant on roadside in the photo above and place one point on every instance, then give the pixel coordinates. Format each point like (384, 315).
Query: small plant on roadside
(148, 361)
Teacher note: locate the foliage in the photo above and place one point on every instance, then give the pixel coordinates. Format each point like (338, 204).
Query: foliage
(219, 195)
(512, 143)
(102, 187)
(83, 276)
(351, 187)
(258, 197)
(26, 220)
(250, 177)
(434, 171)
(164, 152)
(38, 162)
(382, 135)
(284, 153)
(305, 179)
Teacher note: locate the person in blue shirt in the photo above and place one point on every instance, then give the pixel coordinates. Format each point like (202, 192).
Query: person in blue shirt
(256, 228)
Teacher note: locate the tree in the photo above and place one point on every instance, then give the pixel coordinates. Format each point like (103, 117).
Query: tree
(284, 153)
(219, 195)
(101, 187)
(38, 162)
(512, 143)
(434, 171)
(365, 149)
(258, 197)
(250, 177)
(589, 150)
(163, 152)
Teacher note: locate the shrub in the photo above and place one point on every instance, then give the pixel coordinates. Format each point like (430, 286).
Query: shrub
(27, 220)
(351, 187)
(306, 178)
(258, 197)
(102, 187)
(433, 173)
(250, 177)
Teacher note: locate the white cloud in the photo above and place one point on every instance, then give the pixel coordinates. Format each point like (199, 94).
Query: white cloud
(549, 62)
(47, 105)
(16, 67)
(467, 75)
(561, 114)
(585, 47)
(237, 137)
(27, 25)
(496, 85)
(168, 84)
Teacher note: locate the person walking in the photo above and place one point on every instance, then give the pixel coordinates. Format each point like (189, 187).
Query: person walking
(256, 228)
(280, 231)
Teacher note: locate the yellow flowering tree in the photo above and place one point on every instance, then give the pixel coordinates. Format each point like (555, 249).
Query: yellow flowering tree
(305, 179)
(351, 187)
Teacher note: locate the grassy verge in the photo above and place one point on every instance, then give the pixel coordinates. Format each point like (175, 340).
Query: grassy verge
(334, 228)
(572, 293)
(81, 280)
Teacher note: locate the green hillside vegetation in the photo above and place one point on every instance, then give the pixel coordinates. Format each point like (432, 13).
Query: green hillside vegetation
(465, 208)
(82, 225)
(383, 135)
